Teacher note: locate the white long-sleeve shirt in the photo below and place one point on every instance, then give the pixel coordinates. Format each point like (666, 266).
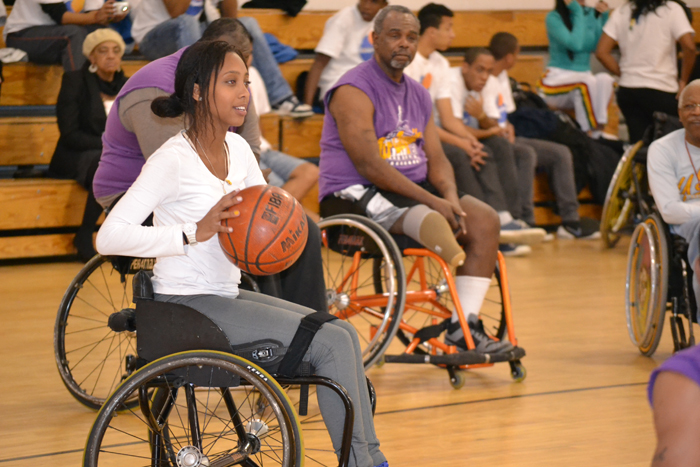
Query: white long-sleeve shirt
(177, 187)
(673, 181)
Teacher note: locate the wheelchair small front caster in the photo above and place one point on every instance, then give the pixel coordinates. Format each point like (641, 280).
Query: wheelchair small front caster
(517, 371)
(457, 378)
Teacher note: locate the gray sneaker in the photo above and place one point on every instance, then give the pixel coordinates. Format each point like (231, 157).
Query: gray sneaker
(482, 342)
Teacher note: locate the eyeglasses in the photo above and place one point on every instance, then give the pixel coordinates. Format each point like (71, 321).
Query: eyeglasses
(690, 107)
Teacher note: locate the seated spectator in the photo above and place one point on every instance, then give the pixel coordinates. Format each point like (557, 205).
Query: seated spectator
(344, 45)
(674, 394)
(381, 157)
(573, 30)
(49, 31)
(490, 163)
(84, 101)
(162, 27)
(292, 174)
(133, 133)
(673, 178)
(647, 32)
(555, 159)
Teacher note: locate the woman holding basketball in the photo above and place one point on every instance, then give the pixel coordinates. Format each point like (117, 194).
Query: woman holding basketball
(188, 184)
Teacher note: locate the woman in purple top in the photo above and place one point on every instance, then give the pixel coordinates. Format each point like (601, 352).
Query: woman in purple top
(674, 393)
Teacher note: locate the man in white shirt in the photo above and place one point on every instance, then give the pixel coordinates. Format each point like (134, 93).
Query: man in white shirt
(555, 159)
(672, 163)
(493, 176)
(344, 45)
(53, 31)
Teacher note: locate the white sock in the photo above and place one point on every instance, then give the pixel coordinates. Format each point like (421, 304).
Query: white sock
(504, 217)
(471, 291)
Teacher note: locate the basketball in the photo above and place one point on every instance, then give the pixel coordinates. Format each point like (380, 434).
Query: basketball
(269, 234)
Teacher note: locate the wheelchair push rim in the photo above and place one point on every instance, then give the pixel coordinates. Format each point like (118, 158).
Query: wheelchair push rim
(647, 285)
(186, 416)
(618, 210)
(350, 280)
(92, 360)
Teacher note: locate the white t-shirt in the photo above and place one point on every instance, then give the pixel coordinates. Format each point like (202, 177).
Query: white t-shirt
(178, 188)
(672, 178)
(258, 93)
(26, 14)
(458, 97)
(648, 48)
(433, 73)
(151, 13)
(346, 39)
(498, 98)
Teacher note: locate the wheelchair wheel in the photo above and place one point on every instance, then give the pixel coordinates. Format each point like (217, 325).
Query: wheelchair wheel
(647, 284)
(422, 314)
(352, 246)
(197, 408)
(621, 198)
(91, 358)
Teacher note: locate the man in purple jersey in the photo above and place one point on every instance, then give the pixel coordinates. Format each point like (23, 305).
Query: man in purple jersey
(381, 157)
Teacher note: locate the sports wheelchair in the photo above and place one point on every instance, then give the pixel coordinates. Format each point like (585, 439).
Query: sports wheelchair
(628, 200)
(659, 279)
(408, 292)
(186, 407)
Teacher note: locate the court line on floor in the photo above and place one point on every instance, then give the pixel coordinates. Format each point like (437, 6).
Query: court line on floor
(411, 409)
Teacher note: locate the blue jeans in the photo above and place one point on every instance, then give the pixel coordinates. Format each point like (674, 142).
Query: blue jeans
(171, 35)
(278, 90)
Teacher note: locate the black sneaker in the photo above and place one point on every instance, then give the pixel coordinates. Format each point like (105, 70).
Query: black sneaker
(482, 342)
(585, 229)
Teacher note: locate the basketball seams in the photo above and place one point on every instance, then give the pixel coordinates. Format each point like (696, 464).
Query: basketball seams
(281, 230)
(251, 222)
(264, 260)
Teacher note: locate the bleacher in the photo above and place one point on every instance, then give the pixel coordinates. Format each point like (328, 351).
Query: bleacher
(40, 215)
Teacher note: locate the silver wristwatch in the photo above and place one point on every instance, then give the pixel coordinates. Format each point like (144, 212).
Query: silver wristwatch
(190, 231)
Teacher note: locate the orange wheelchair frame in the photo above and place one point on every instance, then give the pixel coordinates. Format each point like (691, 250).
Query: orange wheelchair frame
(424, 299)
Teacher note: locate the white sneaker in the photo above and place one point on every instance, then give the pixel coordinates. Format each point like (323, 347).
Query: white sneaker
(517, 231)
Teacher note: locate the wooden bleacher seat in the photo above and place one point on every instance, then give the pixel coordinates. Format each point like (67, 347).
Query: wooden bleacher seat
(37, 212)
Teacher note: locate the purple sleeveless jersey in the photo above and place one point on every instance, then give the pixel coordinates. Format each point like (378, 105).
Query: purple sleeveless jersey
(122, 159)
(401, 113)
(686, 363)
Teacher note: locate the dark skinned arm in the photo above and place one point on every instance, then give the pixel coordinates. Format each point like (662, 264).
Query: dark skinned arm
(320, 62)
(229, 8)
(677, 421)
(176, 7)
(353, 113)
(604, 54)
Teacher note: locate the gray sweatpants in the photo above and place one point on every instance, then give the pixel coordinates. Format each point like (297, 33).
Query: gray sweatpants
(557, 160)
(335, 353)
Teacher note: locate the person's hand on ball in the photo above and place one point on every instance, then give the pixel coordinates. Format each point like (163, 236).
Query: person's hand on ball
(210, 224)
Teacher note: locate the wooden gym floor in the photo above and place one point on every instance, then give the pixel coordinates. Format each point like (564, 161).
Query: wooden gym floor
(583, 402)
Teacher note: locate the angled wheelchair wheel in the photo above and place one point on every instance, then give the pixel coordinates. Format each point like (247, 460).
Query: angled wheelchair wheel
(621, 199)
(91, 358)
(647, 284)
(353, 247)
(197, 409)
(426, 274)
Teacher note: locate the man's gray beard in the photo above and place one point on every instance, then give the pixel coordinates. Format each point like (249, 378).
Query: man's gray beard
(397, 65)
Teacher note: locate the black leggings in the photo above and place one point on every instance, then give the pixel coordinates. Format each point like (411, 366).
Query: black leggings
(638, 106)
